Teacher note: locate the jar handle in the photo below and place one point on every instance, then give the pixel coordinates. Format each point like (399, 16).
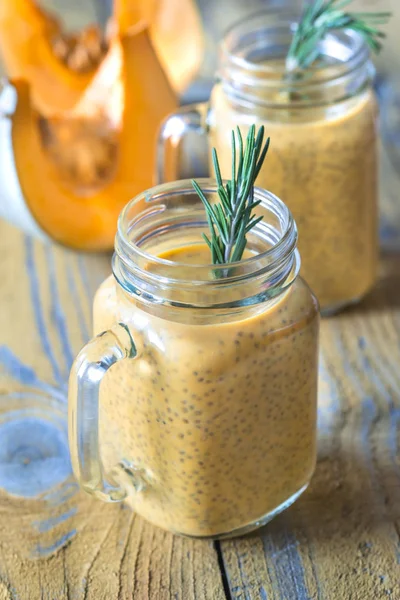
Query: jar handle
(87, 373)
(172, 157)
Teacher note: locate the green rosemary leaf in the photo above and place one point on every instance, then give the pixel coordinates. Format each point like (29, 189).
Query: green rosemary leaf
(321, 16)
(209, 215)
(217, 170)
(246, 215)
(254, 204)
(231, 218)
(199, 192)
(240, 165)
(206, 239)
(249, 151)
(218, 225)
(253, 223)
(262, 158)
(260, 139)
(221, 224)
(218, 253)
(250, 179)
(239, 249)
(209, 244)
(224, 196)
(379, 18)
(231, 186)
(207, 205)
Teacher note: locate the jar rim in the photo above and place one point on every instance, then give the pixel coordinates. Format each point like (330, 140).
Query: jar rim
(346, 70)
(156, 280)
(124, 244)
(290, 18)
(155, 215)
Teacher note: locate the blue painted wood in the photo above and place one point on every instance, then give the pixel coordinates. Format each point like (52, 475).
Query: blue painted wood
(34, 456)
(39, 318)
(58, 314)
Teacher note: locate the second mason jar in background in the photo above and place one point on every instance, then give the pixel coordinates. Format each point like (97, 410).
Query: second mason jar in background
(322, 160)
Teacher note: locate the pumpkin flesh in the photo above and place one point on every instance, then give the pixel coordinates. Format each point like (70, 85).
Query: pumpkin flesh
(139, 96)
(35, 48)
(26, 34)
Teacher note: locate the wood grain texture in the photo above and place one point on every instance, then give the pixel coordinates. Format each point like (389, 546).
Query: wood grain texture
(340, 540)
(45, 300)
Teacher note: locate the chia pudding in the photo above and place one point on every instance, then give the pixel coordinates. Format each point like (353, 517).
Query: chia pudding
(217, 420)
(323, 164)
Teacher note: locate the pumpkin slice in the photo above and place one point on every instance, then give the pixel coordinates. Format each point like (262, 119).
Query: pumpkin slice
(27, 39)
(176, 32)
(133, 94)
(180, 50)
(59, 67)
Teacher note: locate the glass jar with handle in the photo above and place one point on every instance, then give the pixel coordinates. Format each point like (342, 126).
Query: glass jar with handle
(196, 401)
(322, 161)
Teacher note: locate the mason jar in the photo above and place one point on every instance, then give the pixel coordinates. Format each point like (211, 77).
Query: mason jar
(323, 156)
(196, 401)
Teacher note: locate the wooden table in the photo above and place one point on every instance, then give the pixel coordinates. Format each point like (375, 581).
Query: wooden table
(340, 541)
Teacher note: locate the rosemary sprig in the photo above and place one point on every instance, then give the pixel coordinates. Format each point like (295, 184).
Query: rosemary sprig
(231, 219)
(321, 16)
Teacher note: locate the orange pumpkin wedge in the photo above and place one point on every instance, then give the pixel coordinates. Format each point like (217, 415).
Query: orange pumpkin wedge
(176, 32)
(132, 91)
(26, 34)
(28, 44)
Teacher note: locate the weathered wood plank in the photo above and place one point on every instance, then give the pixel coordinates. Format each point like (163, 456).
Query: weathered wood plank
(45, 300)
(341, 540)
(342, 537)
